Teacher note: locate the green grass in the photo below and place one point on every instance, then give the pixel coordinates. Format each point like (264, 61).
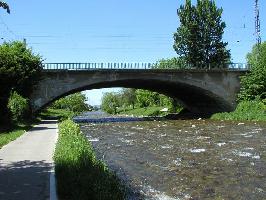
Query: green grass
(148, 111)
(14, 133)
(79, 174)
(246, 110)
(60, 114)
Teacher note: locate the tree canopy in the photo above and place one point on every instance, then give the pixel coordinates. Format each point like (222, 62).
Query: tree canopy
(253, 84)
(198, 40)
(171, 63)
(19, 70)
(74, 102)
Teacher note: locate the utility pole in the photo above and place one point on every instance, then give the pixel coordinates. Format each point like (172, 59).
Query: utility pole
(257, 22)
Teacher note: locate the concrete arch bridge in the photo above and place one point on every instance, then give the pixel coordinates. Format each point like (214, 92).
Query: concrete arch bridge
(204, 91)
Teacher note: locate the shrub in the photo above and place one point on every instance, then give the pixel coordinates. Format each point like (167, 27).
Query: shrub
(18, 106)
(246, 110)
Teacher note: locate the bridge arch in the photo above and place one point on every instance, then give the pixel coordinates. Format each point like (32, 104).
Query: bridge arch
(202, 92)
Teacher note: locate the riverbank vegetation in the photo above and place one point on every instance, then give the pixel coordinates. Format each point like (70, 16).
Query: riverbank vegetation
(138, 102)
(79, 174)
(246, 110)
(66, 107)
(252, 96)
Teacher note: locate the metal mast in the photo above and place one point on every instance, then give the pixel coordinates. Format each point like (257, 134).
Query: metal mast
(257, 22)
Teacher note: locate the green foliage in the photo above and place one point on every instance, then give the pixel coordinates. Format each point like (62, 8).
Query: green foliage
(110, 102)
(128, 97)
(19, 67)
(171, 63)
(198, 40)
(147, 98)
(246, 110)
(19, 71)
(79, 174)
(60, 114)
(253, 84)
(74, 102)
(18, 106)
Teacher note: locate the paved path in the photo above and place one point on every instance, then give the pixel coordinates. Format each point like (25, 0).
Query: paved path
(26, 164)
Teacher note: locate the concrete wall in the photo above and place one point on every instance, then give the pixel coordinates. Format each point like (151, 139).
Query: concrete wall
(198, 90)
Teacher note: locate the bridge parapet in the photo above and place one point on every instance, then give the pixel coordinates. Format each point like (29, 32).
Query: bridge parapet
(139, 66)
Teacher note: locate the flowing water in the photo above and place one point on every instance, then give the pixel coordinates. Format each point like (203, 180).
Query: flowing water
(192, 159)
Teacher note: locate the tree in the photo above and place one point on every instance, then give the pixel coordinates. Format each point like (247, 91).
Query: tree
(253, 84)
(110, 102)
(198, 40)
(74, 102)
(5, 6)
(171, 63)
(20, 69)
(147, 98)
(129, 96)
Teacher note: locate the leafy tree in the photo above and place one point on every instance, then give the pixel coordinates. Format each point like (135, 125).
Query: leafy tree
(136, 97)
(5, 6)
(198, 40)
(110, 102)
(19, 70)
(253, 84)
(128, 95)
(171, 63)
(74, 102)
(147, 98)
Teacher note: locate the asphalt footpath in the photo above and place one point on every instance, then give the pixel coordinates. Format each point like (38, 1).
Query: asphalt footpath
(26, 165)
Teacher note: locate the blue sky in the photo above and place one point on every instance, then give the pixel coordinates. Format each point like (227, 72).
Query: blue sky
(117, 30)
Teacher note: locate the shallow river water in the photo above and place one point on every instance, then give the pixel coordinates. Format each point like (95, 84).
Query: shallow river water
(197, 159)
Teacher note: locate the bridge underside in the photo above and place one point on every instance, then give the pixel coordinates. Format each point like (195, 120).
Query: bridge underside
(194, 99)
(201, 93)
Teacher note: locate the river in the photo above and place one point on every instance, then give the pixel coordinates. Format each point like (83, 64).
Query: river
(184, 159)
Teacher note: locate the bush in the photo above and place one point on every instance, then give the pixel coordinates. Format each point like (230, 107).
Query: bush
(79, 174)
(246, 110)
(18, 106)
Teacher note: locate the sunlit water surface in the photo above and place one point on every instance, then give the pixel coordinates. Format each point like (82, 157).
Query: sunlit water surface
(184, 159)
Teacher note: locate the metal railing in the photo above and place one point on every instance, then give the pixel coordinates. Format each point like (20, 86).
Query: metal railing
(128, 66)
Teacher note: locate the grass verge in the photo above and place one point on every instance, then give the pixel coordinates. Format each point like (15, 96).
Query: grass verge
(78, 173)
(246, 110)
(17, 131)
(60, 114)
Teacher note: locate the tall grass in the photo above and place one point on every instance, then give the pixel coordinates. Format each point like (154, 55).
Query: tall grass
(246, 110)
(79, 174)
